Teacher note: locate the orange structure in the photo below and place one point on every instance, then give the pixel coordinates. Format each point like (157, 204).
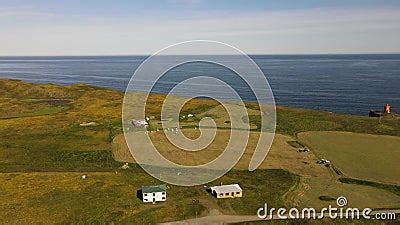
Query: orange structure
(387, 108)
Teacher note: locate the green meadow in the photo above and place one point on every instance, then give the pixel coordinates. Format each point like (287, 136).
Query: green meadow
(44, 152)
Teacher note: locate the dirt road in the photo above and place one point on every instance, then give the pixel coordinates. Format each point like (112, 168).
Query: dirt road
(227, 219)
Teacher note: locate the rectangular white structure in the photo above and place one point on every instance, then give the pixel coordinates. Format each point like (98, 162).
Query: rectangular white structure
(155, 193)
(227, 191)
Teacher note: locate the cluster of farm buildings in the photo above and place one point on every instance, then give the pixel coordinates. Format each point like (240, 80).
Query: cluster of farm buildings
(158, 193)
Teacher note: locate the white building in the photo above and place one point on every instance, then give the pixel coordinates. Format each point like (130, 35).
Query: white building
(155, 193)
(227, 191)
(139, 123)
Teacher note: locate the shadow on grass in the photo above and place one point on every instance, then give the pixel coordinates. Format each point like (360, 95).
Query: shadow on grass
(139, 195)
(389, 187)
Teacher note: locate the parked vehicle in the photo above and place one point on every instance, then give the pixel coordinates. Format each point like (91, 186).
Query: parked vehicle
(305, 149)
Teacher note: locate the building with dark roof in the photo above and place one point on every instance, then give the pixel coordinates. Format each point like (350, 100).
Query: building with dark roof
(154, 193)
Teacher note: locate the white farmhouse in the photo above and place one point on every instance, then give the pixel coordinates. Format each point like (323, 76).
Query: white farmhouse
(227, 191)
(155, 193)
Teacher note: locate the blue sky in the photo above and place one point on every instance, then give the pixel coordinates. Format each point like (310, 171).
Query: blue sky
(143, 27)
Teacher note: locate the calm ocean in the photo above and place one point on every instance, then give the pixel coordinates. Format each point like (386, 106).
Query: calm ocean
(351, 84)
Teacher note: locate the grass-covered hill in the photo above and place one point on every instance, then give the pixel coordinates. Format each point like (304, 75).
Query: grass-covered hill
(44, 152)
(40, 123)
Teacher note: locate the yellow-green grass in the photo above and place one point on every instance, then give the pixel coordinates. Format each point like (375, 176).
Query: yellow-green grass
(321, 192)
(223, 119)
(293, 120)
(56, 145)
(281, 155)
(362, 156)
(105, 197)
(41, 112)
(155, 102)
(36, 143)
(41, 136)
(100, 198)
(43, 157)
(317, 180)
(199, 107)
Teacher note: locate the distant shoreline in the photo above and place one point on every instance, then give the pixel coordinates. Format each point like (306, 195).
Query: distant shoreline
(160, 93)
(346, 83)
(122, 92)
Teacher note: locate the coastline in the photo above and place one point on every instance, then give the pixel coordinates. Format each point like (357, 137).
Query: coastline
(53, 149)
(349, 84)
(163, 94)
(290, 120)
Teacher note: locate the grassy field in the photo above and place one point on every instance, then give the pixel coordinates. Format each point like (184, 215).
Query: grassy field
(45, 197)
(44, 152)
(42, 112)
(43, 156)
(281, 155)
(292, 121)
(365, 170)
(102, 197)
(362, 156)
(320, 192)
